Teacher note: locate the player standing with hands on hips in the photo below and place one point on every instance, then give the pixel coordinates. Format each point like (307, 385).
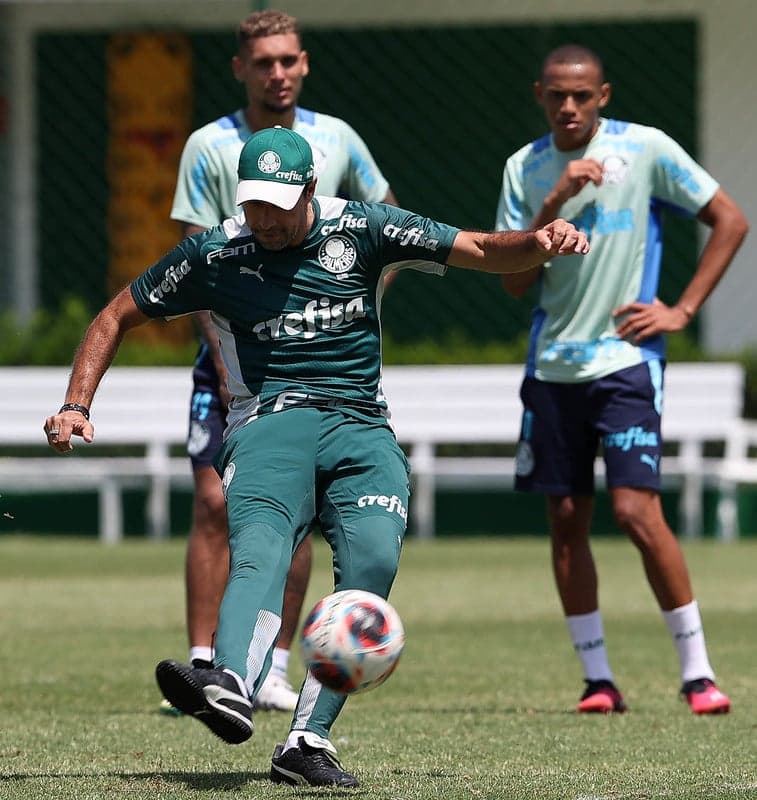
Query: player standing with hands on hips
(271, 65)
(596, 360)
(307, 433)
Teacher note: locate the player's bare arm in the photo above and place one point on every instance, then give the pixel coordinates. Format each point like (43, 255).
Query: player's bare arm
(93, 357)
(516, 251)
(729, 226)
(574, 177)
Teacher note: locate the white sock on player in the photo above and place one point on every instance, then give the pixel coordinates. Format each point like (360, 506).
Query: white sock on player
(685, 626)
(588, 637)
(201, 654)
(280, 662)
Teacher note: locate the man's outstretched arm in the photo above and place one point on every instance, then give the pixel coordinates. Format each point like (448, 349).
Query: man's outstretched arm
(516, 251)
(93, 357)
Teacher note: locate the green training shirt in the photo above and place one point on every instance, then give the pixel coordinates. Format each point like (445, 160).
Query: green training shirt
(299, 324)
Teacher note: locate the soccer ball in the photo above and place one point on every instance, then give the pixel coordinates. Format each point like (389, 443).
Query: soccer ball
(351, 641)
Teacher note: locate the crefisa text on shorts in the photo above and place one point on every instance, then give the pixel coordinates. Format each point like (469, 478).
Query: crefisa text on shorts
(392, 504)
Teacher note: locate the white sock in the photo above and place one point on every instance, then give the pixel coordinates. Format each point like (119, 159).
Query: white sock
(685, 626)
(312, 739)
(280, 662)
(202, 653)
(588, 637)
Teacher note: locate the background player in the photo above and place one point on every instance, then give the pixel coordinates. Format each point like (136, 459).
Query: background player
(271, 65)
(596, 360)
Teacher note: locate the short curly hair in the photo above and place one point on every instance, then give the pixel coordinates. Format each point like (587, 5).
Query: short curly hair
(266, 23)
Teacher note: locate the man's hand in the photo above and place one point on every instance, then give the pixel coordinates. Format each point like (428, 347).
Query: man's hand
(574, 177)
(561, 238)
(60, 427)
(639, 321)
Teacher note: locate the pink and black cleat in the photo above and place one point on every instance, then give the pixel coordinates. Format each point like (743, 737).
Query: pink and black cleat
(704, 697)
(601, 697)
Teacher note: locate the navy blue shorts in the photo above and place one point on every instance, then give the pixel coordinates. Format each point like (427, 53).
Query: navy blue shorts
(207, 420)
(564, 424)
(206, 425)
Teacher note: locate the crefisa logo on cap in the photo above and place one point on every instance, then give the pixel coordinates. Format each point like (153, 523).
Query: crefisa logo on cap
(269, 162)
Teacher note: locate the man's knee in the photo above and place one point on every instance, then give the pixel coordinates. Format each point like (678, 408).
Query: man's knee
(638, 513)
(374, 557)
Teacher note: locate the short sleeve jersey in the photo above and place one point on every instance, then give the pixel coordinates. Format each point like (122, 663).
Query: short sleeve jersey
(300, 324)
(573, 335)
(207, 181)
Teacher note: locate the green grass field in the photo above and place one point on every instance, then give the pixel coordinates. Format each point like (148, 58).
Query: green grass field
(479, 707)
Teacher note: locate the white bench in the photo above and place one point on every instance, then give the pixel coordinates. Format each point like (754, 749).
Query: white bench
(139, 414)
(458, 424)
(461, 406)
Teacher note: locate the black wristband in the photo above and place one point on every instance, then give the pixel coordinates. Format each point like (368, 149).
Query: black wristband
(83, 410)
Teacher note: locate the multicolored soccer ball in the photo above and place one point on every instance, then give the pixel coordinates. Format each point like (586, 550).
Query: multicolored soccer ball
(352, 640)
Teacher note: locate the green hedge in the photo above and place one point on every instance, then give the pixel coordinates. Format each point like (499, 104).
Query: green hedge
(50, 339)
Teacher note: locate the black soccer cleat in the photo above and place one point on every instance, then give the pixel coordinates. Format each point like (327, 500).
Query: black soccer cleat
(166, 708)
(309, 766)
(211, 695)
